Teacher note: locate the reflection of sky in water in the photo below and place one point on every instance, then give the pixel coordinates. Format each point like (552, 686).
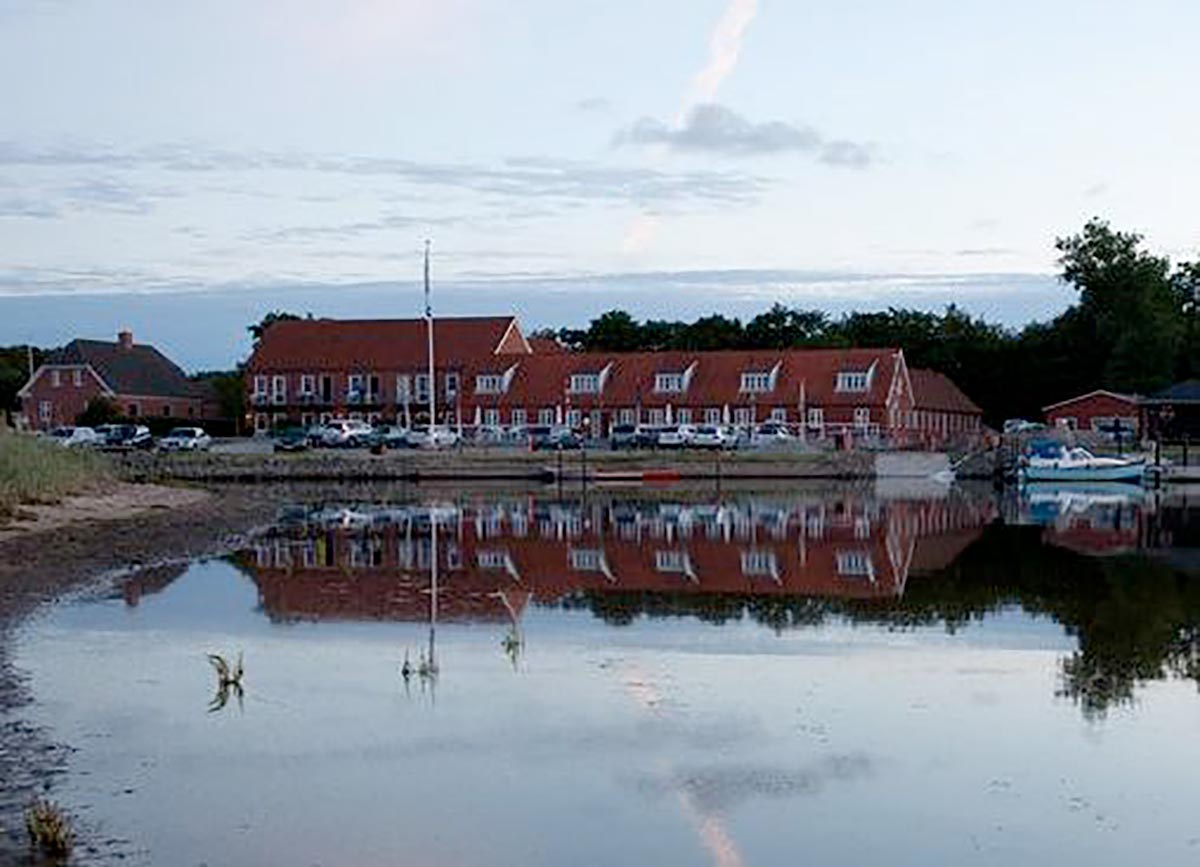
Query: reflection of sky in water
(667, 741)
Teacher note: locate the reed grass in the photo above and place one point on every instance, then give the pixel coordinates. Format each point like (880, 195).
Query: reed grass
(35, 471)
(49, 828)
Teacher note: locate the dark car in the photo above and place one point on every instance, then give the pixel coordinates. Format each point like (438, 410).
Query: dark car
(548, 438)
(292, 439)
(623, 436)
(646, 436)
(127, 437)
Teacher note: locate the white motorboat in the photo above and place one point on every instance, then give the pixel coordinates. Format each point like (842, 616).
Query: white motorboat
(1053, 462)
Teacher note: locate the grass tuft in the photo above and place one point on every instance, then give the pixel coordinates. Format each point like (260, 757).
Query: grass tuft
(35, 471)
(49, 828)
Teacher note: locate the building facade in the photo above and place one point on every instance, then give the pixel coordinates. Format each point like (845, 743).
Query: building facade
(141, 382)
(1097, 411)
(489, 375)
(942, 414)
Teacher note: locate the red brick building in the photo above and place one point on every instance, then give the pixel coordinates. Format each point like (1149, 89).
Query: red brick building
(942, 413)
(140, 380)
(1100, 411)
(488, 374)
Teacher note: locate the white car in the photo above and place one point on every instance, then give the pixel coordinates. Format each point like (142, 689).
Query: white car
(76, 437)
(714, 436)
(771, 433)
(442, 437)
(348, 433)
(676, 436)
(185, 439)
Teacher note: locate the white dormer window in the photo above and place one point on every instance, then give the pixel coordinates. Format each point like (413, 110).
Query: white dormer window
(55, 378)
(489, 383)
(853, 380)
(585, 383)
(668, 382)
(756, 381)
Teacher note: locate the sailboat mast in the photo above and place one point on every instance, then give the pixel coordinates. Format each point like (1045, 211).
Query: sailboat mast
(429, 329)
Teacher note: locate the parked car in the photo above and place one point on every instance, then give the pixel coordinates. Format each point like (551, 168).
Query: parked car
(676, 436)
(126, 437)
(646, 436)
(771, 433)
(185, 439)
(553, 438)
(345, 433)
(1020, 425)
(76, 437)
(714, 436)
(392, 437)
(292, 439)
(441, 437)
(623, 436)
(491, 434)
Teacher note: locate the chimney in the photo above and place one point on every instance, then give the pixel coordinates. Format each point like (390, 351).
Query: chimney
(125, 339)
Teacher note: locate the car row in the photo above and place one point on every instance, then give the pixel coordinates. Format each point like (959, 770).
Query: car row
(130, 437)
(355, 433)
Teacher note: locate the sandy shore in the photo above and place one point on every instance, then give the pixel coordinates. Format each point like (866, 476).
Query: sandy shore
(119, 503)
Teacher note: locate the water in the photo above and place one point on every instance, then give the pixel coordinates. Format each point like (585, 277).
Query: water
(836, 677)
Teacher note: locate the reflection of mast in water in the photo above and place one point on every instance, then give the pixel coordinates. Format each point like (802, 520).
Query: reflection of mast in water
(433, 590)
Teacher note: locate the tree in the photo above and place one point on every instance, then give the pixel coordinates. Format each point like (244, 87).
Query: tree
(783, 328)
(1186, 283)
(99, 410)
(1127, 297)
(712, 333)
(229, 390)
(259, 329)
(14, 373)
(614, 331)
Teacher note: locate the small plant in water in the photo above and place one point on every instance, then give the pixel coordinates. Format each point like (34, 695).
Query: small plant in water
(513, 644)
(49, 829)
(229, 679)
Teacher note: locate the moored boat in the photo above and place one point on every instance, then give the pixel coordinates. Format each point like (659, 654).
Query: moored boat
(1053, 462)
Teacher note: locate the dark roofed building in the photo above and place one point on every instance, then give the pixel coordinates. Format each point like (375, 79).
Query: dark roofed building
(941, 411)
(139, 379)
(1175, 411)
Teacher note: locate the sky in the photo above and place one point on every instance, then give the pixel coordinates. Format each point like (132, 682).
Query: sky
(182, 168)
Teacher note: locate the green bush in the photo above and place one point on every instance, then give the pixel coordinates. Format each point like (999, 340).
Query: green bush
(35, 471)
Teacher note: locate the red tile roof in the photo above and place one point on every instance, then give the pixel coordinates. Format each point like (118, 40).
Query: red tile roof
(375, 344)
(546, 346)
(716, 377)
(937, 392)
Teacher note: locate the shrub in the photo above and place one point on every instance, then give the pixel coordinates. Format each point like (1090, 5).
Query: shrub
(35, 471)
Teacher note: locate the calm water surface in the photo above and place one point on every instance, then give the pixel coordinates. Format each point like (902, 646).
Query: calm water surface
(755, 679)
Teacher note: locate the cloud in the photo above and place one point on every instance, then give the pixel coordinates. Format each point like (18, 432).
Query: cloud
(346, 231)
(713, 128)
(522, 177)
(593, 104)
(21, 207)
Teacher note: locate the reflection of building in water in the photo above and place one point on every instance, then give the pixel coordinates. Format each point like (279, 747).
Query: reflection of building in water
(496, 558)
(147, 581)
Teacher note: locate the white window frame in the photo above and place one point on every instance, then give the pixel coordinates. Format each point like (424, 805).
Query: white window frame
(55, 378)
(547, 415)
(626, 415)
(743, 415)
(586, 559)
(756, 381)
(46, 410)
(816, 417)
(683, 415)
(657, 416)
(862, 416)
(308, 384)
(451, 384)
(853, 380)
(712, 415)
(77, 377)
(489, 383)
(519, 417)
(668, 383)
(779, 414)
(584, 383)
(278, 388)
(854, 563)
(421, 387)
(574, 418)
(260, 385)
(491, 417)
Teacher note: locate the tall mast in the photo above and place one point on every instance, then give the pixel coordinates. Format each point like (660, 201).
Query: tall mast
(429, 328)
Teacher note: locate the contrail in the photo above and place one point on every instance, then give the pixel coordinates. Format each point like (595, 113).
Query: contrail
(724, 49)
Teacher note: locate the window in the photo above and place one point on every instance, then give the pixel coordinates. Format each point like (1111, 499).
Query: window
(403, 388)
(816, 417)
(306, 419)
(585, 383)
(308, 384)
(668, 382)
(55, 378)
(422, 387)
(45, 410)
(451, 384)
(853, 380)
(586, 559)
(658, 416)
(779, 414)
(492, 558)
(491, 417)
(133, 410)
(166, 410)
(756, 381)
(854, 564)
(574, 418)
(742, 415)
(546, 415)
(760, 562)
(489, 383)
(191, 412)
(354, 387)
(260, 385)
(278, 389)
(260, 422)
(77, 378)
(519, 417)
(626, 416)
(712, 415)
(671, 561)
(862, 415)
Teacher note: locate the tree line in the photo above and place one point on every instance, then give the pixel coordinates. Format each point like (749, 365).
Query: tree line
(1134, 327)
